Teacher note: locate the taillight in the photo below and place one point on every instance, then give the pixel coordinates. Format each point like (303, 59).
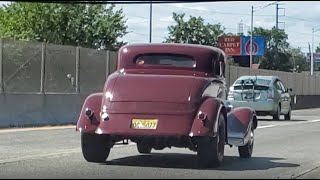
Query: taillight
(270, 94)
(230, 95)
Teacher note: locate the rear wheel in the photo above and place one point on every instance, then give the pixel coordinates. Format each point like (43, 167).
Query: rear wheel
(94, 147)
(246, 150)
(144, 148)
(211, 149)
(278, 114)
(288, 115)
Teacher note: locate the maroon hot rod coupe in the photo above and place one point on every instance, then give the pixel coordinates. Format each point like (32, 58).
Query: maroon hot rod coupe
(166, 95)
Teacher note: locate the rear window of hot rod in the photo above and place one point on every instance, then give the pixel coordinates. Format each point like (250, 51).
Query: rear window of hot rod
(160, 59)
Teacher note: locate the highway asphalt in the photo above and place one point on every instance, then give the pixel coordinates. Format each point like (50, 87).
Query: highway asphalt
(283, 149)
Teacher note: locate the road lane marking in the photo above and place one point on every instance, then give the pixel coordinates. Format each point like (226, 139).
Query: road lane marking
(73, 127)
(317, 120)
(267, 126)
(295, 123)
(306, 172)
(54, 155)
(29, 157)
(36, 129)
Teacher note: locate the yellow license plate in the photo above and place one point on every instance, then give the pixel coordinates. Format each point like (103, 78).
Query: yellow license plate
(144, 123)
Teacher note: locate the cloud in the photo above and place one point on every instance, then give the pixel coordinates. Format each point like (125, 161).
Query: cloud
(167, 19)
(191, 7)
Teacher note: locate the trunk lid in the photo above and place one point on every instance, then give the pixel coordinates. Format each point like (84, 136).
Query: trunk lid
(152, 88)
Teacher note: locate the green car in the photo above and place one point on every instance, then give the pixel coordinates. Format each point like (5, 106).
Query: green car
(265, 94)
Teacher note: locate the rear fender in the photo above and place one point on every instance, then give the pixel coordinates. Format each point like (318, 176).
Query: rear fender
(211, 108)
(240, 121)
(92, 102)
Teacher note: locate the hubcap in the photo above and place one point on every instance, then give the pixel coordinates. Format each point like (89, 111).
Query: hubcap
(251, 137)
(251, 140)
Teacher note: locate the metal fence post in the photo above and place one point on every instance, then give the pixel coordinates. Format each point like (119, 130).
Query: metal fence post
(107, 64)
(43, 63)
(77, 69)
(317, 85)
(1, 67)
(237, 73)
(295, 84)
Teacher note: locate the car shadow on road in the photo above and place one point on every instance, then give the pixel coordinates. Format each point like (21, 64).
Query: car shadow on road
(189, 161)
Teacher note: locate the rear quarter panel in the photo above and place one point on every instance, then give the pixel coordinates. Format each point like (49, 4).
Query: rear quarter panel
(212, 108)
(92, 102)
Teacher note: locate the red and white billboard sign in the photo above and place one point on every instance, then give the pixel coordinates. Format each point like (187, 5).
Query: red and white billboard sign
(231, 45)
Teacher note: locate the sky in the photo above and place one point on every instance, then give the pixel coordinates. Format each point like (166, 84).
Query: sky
(297, 17)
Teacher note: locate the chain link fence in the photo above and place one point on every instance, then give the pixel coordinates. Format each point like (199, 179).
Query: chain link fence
(33, 67)
(21, 62)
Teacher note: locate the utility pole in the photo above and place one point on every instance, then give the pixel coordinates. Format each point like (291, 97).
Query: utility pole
(277, 15)
(150, 30)
(277, 20)
(251, 29)
(312, 54)
(251, 34)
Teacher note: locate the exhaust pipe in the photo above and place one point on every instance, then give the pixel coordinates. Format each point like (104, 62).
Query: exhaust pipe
(90, 115)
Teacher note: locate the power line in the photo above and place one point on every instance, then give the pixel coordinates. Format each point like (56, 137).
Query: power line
(216, 12)
(237, 14)
(243, 14)
(301, 33)
(299, 19)
(142, 34)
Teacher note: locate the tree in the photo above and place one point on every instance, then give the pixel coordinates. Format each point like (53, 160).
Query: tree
(277, 55)
(299, 60)
(88, 25)
(318, 49)
(193, 31)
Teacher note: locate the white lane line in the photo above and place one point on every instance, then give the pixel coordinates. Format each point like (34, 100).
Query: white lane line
(24, 158)
(36, 129)
(54, 155)
(303, 122)
(306, 172)
(317, 120)
(267, 126)
(279, 125)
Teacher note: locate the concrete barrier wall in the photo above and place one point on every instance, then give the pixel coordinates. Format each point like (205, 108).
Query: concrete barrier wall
(23, 110)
